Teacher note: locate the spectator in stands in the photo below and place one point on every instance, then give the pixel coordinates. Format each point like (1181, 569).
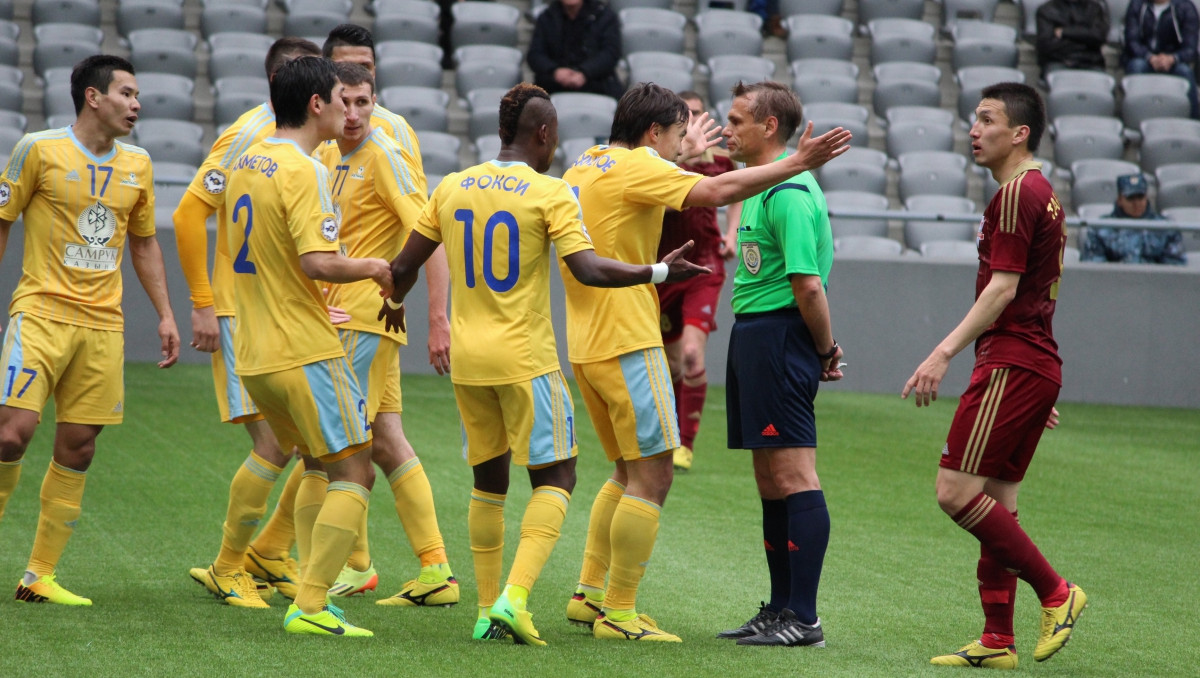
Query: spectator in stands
(1133, 245)
(575, 48)
(1160, 37)
(1070, 34)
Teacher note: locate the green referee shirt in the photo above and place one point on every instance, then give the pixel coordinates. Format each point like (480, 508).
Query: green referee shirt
(784, 231)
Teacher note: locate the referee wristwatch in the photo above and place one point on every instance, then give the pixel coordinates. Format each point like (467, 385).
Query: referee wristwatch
(832, 352)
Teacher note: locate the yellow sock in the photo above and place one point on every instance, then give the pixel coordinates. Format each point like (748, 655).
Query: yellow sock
(539, 533)
(485, 523)
(278, 535)
(314, 485)
(248, 494)
(332, 538)
(62, 496)
(10, 473)
(360, 555)
(517, 595)
(414, 505)
(597, 549)
(634, 527)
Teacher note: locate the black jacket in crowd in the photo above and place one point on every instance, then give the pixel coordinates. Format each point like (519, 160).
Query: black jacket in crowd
(1174, 32)
(590, 44)
(1085, 27)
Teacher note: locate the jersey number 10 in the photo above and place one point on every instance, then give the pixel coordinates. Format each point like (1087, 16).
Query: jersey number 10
(501, 218)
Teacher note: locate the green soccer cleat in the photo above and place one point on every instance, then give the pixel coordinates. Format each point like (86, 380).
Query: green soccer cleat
(351, 581)
(641, 628)
(683, 458)
(324, 623)
(486, 629)
(417, 593)
(581, 611)
(47, 590)
(281, 573)
(976, 655)
(237, 589)
(517, 621)
(1058, 622)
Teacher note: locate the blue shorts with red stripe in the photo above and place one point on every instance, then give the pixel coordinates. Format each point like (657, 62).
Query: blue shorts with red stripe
(771, 381)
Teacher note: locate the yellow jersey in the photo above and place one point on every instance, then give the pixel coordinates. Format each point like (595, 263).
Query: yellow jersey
(378, 203)
(78, 208)
(497, 220)
(624, 194)
(398, 129)
(279, 208)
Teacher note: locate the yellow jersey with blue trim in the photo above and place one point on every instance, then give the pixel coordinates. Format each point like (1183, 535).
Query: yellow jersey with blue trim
(624, 194)
(209, 186)
(497, 221)
(279, 209)
(378, 202)
(78, 208)
(398, 129)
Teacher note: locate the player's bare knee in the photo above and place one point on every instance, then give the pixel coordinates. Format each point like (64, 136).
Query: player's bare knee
(560, 475)
(13, 443)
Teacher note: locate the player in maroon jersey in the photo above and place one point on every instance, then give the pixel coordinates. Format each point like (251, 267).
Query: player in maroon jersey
(1015, 382)
(688, 308)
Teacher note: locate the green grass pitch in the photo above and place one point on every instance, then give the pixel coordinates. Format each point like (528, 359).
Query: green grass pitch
(1111, 499)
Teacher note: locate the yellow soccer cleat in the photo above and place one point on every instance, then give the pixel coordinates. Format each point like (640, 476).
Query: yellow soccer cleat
(327, 622)
(1058, 622)
(281, 573)
(581, 611)
(47, 590)
(237, 589)
(351, 581)
(976, 655)
(683, 458)
(640, 627)
(417, 593)
(516, 620)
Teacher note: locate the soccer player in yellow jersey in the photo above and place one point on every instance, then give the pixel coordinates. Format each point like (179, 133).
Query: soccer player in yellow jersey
(285, 238)
(497, 221)
(81, 192)
(613, 336)
(379, 204)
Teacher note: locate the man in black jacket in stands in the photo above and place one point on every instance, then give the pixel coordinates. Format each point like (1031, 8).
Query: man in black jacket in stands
(575, 48)
(1070, 34)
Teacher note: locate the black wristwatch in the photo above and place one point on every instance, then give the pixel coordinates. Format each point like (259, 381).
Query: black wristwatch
(832, 352)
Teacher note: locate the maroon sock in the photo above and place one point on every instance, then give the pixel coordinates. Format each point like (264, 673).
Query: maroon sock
(998, 531)
(690, 402)
(998, 596)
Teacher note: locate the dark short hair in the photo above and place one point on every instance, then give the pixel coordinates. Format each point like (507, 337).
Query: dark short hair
(95, 71)
(772, 99)
(284, 50)
(689, 94)
(353, 75)
(348, 35)
(1023, 106)
(513, 105)
(643, 105)
(295, 83)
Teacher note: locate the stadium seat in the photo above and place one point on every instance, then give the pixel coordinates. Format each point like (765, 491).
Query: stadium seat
(1096, 180)
(673, 71)
(649, 29)
(60, 121)
(312, 22)
(900, 83)
(166, 199)
(1169, 140)
(487, 148)
(173, 173)
(11, 98)
(1116, 16)
(870, 10)
(1153, 95)
(413, 20)
(60, 45)
(858, 169)
(584, 115)
(1028, 13)
(816, 36)
(6, 10)
(919, 128)
(171, 141)
(618, 5)
(163, 50)
(1191, 238)
(1093, 210)
(932, 173)
(817, 80)
(1080, 92)
(902, 40)
(484, 106)
(856, 200)
(919, 232)
(866, 246)
(725, 32)
(86, 12)
(486, 66)
(9, 136)
(827, 115)
(949, 249)
(731, 5)
(236, 95)
(415, 69)
(1178, 185)
(827, 7)
(955, 11)
(725, 71)
(423, 107)
(983, 44)
(400, 48)
(484, 23)
(439, 152)
(973, 79)
(165, 95)
(13, 119)
(10, 33)
(1080, 137)
(140, 15)
(237, 54)
(232, 16)
(56, 99)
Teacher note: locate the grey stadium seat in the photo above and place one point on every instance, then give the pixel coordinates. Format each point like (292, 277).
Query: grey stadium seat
(858, 169)
(13, 120)
(983, 44)
(140, 15)
(816, 36)
(1169, 140)
(312, 21)
(932, 173)
(236, 95)
(827, 115)
(827, 7)
(618, 5)
(583, 115)
(486, 66)
(919, 232)
(415, 20)
(973, 79)
(399, 48)
(423, 107)
(165, 95)
(484, 106)
(901, 83)
(1080, 137)
(919, 128)
(902, 40)
(1116, 15)
(487, 148)
(237, 54)
(57, 97)
(61, 45)
(1096, 180)
(1093, 210)
(725, 71)
(870, 10)
(1029, 10)
(825, 80)
(171, 140)
(673, 71)
(484, 23)
(1153, 95)
(955, 11)
(9, 136)
(228, 16)
(723, 32)
(173, 172)
(11, 98)
(85, 12)
(949, 249)
(1191, 239)
(1080, 92)
(649, 29)
(439, 152)
(163, 50)
(856, 200)
(9, 51)
(414, 70)
(867, 246)
(1178, 185)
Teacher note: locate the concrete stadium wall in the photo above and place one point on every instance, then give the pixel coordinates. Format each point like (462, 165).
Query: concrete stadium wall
(1128, 334)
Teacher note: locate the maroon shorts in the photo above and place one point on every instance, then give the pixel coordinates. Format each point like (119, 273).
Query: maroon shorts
(999, 422)
(690, 302)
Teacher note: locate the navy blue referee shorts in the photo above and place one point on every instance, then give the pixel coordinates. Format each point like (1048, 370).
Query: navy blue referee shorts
(771, 381)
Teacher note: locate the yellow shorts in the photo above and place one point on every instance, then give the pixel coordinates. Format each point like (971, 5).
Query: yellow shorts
(232, 399)
(376, 362)
(535, 419)
(317, 407)
(83, 368)
(631, 403)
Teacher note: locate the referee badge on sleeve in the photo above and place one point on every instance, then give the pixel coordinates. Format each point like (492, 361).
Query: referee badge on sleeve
(751, 257)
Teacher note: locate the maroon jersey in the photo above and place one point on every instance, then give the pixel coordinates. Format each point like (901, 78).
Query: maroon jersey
(1023, 232)
(696, 223)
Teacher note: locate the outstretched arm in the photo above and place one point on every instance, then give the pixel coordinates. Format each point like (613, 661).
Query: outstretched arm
(596, 271)
(147, 260)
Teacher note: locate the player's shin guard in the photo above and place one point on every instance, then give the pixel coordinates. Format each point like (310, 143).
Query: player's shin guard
(360, 554)
(690, 405)
(540, 529)
(808, 537)
(276, 538)
(485, 523)
(597, 549)
(62, 497)
(997, 596)
(775, 542)
(414, 505)
(998, 530)
(332, 538)
(314, 485)
(10, 473)
(248, 494)
(634, 529)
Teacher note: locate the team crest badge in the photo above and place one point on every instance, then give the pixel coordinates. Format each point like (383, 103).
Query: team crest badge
(96, 225)
(5, 193)
(751, 257)
(979, 233)
(329, 229)
(214, 181)
(664, 323)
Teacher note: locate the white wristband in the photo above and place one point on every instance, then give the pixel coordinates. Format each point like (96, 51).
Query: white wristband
(658, 272)
(393, 305)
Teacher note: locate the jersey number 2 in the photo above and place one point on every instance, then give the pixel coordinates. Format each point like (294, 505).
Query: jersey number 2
(501, 218)
(242, 263)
